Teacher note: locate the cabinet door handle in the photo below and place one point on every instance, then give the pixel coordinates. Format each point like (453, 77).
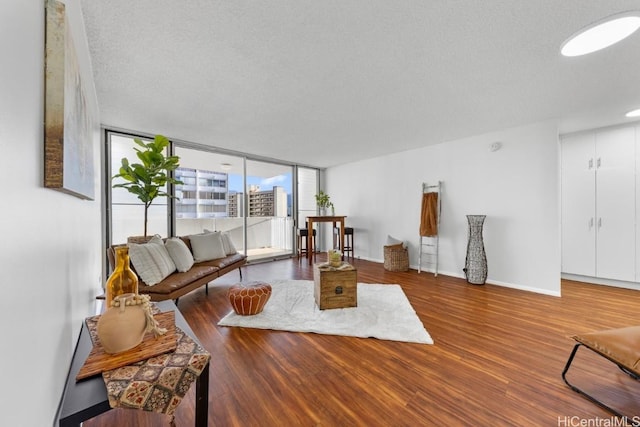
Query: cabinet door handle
(590, 223)
(590, 163)
(599, 163)
(599, 222)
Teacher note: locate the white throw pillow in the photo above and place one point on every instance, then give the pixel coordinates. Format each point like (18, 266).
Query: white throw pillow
(151, 260)
(207, 246)
(179, 253)
(391, 241)
(227, 243)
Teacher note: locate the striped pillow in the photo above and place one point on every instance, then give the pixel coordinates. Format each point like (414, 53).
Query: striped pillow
(151, 261)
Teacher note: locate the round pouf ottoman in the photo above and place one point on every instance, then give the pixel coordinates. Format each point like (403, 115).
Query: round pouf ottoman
(248, 299)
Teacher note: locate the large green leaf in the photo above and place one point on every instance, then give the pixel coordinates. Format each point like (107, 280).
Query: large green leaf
(146, 179)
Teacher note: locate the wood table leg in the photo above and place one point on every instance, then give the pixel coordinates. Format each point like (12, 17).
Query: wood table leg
(309, 241)
(342, 238)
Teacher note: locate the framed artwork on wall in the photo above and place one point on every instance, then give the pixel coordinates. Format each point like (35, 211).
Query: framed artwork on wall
(68, 144)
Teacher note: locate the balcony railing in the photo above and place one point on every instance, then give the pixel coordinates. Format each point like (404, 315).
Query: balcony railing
(267, 237)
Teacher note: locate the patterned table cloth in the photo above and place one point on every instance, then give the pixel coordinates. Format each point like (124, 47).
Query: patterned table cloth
(156, 384)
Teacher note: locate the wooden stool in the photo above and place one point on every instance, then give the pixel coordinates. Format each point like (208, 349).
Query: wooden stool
(303, 233)
(348, 240)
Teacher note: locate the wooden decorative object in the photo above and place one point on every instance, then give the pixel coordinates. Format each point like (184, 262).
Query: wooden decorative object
(335, 287)
(99, 360)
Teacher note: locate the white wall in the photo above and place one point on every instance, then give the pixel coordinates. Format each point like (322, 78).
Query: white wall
(51, 251)
(517, 188)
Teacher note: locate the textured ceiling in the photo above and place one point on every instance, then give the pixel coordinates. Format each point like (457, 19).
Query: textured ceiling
(327, 82)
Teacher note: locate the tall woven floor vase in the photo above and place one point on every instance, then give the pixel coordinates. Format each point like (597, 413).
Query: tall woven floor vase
(475, 266)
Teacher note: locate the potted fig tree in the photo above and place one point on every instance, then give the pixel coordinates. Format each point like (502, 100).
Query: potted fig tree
(148, 178)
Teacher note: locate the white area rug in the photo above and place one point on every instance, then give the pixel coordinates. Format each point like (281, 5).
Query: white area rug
(383, 312)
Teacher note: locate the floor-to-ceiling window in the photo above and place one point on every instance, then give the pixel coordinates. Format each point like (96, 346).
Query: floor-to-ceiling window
(206, 200)
(252, 199)
(268, 196)
(307, 189)
(126, 210)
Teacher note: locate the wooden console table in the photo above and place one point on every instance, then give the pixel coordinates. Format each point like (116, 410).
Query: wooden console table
(334, 220)
(86, 399)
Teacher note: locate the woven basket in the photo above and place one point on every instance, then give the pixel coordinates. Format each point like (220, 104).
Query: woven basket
(396, 259)
(139, 239)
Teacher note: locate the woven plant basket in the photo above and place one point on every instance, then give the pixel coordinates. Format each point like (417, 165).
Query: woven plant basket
(396, 259)
(139, 239)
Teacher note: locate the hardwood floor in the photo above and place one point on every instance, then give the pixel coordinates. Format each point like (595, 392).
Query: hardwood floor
(497, 360)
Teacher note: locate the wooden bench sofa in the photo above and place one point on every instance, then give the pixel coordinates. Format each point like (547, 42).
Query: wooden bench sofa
(178, 283)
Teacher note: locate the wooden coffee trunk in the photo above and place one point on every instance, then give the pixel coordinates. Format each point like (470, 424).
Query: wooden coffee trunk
(335, 288)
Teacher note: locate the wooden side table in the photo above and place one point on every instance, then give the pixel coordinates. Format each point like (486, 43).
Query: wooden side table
(335, 288)
(86, 399)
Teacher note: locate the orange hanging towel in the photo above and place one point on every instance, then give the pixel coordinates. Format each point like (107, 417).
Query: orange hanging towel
(429, 215)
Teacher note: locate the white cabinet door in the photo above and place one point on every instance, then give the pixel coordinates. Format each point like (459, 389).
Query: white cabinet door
(578, 204)
(615, 204)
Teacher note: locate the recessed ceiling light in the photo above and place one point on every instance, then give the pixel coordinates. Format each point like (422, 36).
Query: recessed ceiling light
(634, 113)
(602, 34)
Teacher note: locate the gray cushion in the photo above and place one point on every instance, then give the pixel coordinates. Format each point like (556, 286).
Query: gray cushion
(207, 246)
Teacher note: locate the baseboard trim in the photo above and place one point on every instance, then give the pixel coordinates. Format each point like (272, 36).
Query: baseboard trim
(506, 284)
(489, 281)
(598, 281)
